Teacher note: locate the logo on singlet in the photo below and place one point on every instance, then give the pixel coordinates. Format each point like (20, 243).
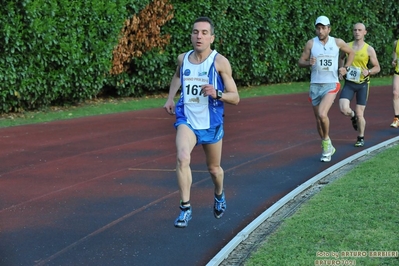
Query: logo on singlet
(194, 100)
(202, 73)
(187, 72)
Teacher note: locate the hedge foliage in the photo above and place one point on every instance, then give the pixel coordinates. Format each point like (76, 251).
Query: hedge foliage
(62, 51)
(55, 52)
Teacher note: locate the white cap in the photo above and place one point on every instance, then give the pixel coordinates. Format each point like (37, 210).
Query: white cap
(322, 20)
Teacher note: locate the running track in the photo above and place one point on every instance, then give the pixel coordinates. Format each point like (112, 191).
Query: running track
(102, 190)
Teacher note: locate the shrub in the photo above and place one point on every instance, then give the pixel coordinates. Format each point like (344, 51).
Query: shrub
(55, 52)
(61, 51)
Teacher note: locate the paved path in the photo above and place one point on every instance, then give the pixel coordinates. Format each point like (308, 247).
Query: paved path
(102, 191)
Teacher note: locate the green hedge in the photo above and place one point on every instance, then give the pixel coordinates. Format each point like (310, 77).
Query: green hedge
(61, 51)
(55, 52)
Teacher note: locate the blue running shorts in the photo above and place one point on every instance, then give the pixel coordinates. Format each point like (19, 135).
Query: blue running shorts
(205, 136)
(361, 90)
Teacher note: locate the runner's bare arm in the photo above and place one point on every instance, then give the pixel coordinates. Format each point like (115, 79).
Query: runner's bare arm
(230, 94)
(374, 62)
(344, 47)
(394, 59)
(305, 60)
(175, 85)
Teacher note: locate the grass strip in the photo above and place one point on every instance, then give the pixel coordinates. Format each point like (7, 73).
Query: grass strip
(347, 223)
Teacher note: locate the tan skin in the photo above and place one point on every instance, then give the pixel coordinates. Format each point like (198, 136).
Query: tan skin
(321, 111)
(359, 31)
(201, 39)
(395, 84)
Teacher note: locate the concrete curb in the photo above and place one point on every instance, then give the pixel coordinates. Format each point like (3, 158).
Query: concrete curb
(241, 236)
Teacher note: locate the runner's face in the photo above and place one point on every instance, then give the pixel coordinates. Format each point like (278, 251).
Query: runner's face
(201, 36)
(322, 31)
(359, 31)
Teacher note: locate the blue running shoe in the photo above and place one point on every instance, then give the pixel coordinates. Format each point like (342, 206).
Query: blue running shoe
(219, 207)
(184, 217)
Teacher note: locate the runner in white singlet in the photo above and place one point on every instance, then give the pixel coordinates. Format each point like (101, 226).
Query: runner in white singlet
(321, 54)
(206, 82)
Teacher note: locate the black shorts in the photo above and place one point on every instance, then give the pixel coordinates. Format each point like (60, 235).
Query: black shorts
(360, 89)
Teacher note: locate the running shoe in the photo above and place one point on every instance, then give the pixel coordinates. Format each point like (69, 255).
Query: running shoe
(354, 121)
(395, 122)
(184, 217)
(328, 151)
(359, 142)
(219, 207)
(327, 158)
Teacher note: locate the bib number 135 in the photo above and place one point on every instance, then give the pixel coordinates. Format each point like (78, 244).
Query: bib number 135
(325, 62)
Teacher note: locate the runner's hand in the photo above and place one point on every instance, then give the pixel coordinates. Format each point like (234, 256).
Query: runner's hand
(170, 107)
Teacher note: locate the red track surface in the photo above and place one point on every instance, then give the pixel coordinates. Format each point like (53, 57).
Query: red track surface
(102, 190)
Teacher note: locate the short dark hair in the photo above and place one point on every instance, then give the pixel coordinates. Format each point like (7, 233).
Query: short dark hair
(206, 19)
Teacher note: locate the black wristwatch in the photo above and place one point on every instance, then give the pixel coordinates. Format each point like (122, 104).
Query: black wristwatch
(347, 69)
(219, 94)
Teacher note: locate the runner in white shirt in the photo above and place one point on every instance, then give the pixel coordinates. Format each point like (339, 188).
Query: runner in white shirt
(321, 54)
(206, 82)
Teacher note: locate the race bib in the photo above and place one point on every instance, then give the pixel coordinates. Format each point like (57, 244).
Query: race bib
(325, 63)
(192, 90)
(354, 74)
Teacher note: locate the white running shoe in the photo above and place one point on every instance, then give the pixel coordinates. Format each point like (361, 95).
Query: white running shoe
(328, 150)
(395, 122)
(327, 158)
